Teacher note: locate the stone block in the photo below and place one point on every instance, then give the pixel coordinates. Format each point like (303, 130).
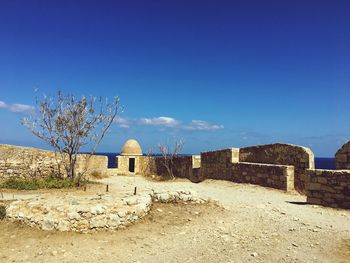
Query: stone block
(313, 186)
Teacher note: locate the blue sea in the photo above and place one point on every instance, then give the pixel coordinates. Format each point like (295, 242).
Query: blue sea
(320, 162)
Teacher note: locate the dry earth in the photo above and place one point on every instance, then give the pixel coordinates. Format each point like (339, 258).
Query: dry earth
(251, 224)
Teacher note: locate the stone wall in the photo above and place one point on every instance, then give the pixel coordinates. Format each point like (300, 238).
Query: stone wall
(328, 187)
(300, 157)
(269, 175)
(224, 165)
(182, 166)
(217, 164)
(342, 157)
(26, 162)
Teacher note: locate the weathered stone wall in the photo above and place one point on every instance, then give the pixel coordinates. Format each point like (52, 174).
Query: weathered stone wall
(301, 158)
(224, 165)
(328, 187)
(342, 157)
(182, 166)
(269, 175)
(217, 164)
(26, 162)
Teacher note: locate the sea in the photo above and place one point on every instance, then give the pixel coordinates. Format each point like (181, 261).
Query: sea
(320, 162)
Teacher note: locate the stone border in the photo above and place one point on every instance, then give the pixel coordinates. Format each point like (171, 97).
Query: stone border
(86, 214)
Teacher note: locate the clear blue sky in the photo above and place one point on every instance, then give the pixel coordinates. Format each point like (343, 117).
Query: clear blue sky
(215, 73)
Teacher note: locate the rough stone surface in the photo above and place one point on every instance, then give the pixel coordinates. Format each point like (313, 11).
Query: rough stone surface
(275, 176)
(328, 187)
(342, 157)
(300, 157)
(217, 164)
(26, 162)
(81, 213)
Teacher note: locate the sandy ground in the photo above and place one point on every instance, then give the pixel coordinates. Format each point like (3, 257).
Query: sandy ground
(250, 224)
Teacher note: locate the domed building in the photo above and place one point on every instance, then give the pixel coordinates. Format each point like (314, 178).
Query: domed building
(130, 148)
(128, 161)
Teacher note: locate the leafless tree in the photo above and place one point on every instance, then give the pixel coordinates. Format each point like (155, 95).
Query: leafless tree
(67, 124)
(168, 155)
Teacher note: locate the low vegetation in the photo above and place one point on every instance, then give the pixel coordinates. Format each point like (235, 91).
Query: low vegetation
(34, 184)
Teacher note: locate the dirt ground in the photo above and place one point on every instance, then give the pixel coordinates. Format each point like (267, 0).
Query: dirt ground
(251, 224)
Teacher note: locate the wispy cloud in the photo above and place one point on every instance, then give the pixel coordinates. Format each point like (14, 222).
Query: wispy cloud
(168, 122)
(199, 125)
(160, 121)
(17, 107)
(123, 122)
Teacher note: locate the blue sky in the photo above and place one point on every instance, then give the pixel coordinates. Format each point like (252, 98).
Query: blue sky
(214, 73)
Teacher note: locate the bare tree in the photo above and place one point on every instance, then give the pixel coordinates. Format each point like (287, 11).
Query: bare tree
(168, 155)
(67, 124)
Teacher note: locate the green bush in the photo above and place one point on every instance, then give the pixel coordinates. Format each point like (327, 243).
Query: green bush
(34, 184)
(2, 212)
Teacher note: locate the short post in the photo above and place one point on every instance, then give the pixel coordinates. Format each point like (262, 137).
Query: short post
(85, 188)
(107, 188)
(135, 190)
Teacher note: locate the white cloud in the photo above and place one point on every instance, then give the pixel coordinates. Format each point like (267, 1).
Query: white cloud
(21, 108)
(17, 107)
(202, 126)
(123, 122)
(160, 121)
(3, 105)
(167, 122)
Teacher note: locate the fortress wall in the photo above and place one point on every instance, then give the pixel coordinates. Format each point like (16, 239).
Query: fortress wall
(224, 165)
(268, 175)
(328, 187)
(217, 164)
(301, 158)
(182, 166)
(342, 157)
(26, 162)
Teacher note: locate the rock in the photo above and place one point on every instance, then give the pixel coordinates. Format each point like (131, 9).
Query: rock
(63, 225)
(54, 253)
(20, 215)
(98, 222)
(97, 210)
(254, 254)
(73, 215)
(48, 224)
(114, 220)
(164, 197)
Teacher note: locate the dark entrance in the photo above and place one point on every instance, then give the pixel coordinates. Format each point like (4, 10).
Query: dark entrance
(131, 165)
